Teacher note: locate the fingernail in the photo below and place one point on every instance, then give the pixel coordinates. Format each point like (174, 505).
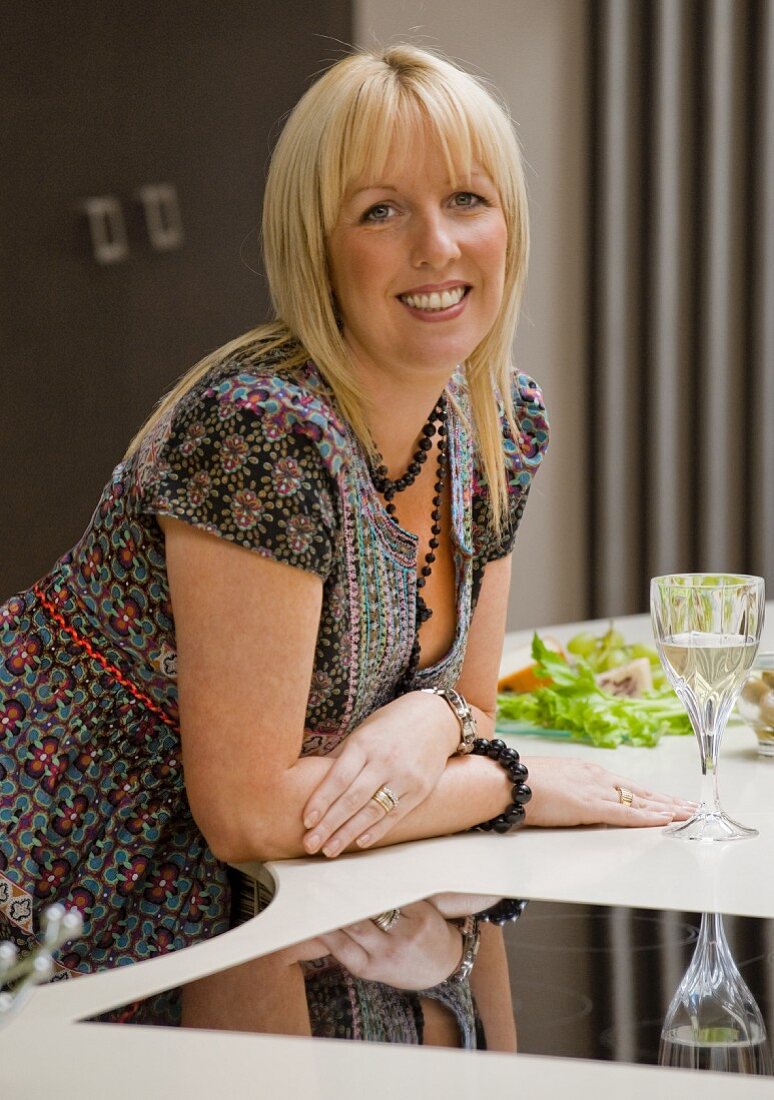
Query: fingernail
(311, 819)
(364, 840)
(665, 813)
(331, 848)
(312, 843)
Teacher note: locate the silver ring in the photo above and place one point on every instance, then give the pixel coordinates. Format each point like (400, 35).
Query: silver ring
(625, 796)
(385, 798)
(387, 920)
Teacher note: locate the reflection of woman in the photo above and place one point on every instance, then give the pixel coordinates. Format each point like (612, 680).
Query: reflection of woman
(312, 530)
(387, 985)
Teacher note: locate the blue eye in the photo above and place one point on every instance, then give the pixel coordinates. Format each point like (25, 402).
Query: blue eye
(467, 200)
(378, 213)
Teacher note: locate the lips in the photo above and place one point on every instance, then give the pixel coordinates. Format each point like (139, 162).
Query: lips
(435, 301)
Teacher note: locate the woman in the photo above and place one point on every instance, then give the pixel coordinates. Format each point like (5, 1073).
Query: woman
(312, 531)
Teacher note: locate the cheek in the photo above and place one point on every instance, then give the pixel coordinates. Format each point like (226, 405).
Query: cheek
(486, 245)
(353, 278)
(493, 260)
(496, 247)
(355, 269)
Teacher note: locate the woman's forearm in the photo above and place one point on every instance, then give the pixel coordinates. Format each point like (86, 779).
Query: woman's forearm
(490, 985)
(471, 789)
(262, 815)
(266, 995)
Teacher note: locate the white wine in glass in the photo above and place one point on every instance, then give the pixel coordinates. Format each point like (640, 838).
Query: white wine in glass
(714, 1021)
(707, 627)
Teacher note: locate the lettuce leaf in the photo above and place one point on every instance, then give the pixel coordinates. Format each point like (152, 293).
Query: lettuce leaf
(574, 702)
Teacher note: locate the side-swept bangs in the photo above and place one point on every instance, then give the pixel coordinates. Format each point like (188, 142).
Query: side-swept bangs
(402, 94)
(345, 128)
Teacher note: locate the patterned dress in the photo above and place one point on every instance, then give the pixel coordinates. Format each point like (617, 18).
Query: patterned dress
(93, 811)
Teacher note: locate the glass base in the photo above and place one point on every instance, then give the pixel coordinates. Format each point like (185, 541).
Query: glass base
(710, 825)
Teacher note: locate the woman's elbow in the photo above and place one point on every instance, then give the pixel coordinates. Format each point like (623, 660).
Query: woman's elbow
(239, 837)
(245, 816)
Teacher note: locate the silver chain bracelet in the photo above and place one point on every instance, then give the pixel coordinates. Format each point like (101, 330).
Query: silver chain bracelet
(463, 714)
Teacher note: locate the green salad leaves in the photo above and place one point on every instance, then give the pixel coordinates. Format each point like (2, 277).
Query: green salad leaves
(573, 701)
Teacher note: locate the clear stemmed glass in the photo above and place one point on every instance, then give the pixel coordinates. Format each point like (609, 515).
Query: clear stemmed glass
(713, 1021)
(707, 628)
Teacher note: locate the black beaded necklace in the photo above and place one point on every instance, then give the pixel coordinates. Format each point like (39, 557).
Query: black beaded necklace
(436, 422)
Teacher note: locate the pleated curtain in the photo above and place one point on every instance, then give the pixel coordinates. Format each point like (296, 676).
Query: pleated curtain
(681, 293)
(681, 345)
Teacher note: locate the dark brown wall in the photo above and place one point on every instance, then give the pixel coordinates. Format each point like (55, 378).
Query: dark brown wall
(100, 98)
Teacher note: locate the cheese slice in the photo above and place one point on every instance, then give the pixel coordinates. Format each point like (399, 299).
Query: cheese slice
(524, 677)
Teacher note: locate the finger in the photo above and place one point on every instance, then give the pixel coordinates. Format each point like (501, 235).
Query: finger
(644, 799)
(664, 799)
(366, 826)
(344, 771)
(374, 831)
(677, 808)
(634, 817)
(357, 798)
(370, 936)
(661, 808)
(309, 950)
(346, 950)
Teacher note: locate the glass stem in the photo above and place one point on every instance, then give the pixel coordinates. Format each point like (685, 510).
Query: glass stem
(709, 745)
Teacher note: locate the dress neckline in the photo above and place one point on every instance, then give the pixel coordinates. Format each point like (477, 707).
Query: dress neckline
(403, 544)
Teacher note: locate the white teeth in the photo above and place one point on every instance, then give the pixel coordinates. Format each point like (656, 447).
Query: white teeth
(435, 301)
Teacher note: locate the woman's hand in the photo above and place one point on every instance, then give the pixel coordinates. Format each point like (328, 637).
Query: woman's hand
(419, 951)
(403, 746)
(575, 792)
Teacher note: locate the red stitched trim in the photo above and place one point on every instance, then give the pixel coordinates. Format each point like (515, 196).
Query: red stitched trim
(116, 673)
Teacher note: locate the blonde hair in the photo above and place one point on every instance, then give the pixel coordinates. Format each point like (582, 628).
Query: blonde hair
(344, 125)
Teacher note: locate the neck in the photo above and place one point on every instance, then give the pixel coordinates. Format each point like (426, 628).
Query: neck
(398, 409)
(397, 429)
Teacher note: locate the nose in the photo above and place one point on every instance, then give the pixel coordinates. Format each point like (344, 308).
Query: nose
(435, 242)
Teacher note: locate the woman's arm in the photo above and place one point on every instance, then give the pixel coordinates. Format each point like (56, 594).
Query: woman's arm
(491, 988)
(341, 804)
(246, 630)
(565, 792)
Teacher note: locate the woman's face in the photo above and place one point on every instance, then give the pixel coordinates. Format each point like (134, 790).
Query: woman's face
(417, 263)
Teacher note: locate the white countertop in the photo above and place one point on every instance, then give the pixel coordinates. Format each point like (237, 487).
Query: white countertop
(641, 868)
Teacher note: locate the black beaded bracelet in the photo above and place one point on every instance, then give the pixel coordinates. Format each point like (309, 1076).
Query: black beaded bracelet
(504, 911)
(513, 816)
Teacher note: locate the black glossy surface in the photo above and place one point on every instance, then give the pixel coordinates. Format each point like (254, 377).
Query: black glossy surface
(591, 981)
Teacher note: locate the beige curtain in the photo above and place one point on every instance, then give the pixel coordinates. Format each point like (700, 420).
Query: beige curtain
(681, 352)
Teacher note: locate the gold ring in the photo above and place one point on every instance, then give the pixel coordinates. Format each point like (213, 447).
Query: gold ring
(625, 796)
(387, 920)
(385, 798)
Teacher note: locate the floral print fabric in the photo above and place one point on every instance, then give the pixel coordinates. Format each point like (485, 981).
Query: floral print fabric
(93, 810)
(342, 1006)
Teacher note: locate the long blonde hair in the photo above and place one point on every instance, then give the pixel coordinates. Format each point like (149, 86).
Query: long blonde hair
(343, 125)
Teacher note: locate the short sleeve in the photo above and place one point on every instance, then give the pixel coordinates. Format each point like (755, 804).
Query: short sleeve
(252, 460)
(523, 456)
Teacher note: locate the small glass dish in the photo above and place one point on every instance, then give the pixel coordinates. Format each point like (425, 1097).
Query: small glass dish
(756, 702)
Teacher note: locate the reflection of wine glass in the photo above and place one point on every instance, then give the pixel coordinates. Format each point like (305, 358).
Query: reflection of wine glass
(707, 628)
(713, 1021)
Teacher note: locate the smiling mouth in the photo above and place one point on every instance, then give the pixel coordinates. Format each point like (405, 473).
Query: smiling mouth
(437, 300)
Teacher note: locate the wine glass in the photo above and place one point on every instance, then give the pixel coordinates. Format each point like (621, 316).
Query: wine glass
(714, 1021)
(707, 628)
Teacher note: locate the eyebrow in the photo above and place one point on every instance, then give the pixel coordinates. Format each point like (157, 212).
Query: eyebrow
(379, 186)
